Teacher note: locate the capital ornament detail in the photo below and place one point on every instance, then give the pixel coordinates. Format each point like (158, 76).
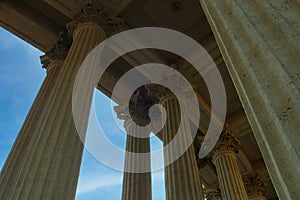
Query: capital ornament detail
(227, 142)
(212, 193)
(254, 185)
(95, 13)
(59, 50)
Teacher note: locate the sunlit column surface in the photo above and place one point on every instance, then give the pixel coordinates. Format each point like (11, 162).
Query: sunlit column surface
(45, 161)
(21, 151)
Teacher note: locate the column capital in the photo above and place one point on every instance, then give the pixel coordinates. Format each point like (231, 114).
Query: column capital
(138, 108)
(227, 143)
(254, 185)
(58, 51)
(212, 193)
(162, 91)
(122, 112)
(157, 91)
(132, 123)
(94, 13)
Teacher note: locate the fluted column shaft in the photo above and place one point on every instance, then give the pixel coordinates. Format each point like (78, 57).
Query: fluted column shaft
(51, 163)
(136, 186)
(17, 156)
(259, 41)
(229, 176)
(182, 178)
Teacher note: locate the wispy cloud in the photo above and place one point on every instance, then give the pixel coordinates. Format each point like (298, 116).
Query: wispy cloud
(91, 184)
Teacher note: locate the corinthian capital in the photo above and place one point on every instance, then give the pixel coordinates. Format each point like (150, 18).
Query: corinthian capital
(156, 91)
(138, 107)
(227, 142)
(212, 193)
(254, 185)
(59, 50)
(93, 12)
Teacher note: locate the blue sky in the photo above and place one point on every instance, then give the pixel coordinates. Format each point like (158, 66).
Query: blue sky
(21, 76)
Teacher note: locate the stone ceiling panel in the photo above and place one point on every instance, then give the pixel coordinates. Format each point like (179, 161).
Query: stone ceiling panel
(115, 6)
(173, 14)
(67, 7)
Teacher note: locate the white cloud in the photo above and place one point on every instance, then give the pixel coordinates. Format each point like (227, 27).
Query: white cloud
(95, 183)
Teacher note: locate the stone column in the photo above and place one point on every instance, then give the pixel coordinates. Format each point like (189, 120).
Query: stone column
(182, 178)
(260, 43)
(224, 158)
(53, 151)
(10, 173)
(136, 186)
(137, 170)
(255, 187)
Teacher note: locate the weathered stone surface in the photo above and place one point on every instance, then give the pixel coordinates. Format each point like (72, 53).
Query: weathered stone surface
(259, 41)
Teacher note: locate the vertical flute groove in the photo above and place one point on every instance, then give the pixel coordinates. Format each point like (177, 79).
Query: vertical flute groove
(50, 165)
(136, 185)
(180, 179)
(230, 179)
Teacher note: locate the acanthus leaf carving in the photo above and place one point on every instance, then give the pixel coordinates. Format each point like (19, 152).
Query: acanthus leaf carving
(59, 50)
(93, 12)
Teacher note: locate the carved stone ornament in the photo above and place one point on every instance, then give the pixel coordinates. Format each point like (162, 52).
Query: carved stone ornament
(212, 193)
(122, 112)
(156, 91)
(227, 142)
(138, 109)
(93, 12)
(59, 50)
(254, 185)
